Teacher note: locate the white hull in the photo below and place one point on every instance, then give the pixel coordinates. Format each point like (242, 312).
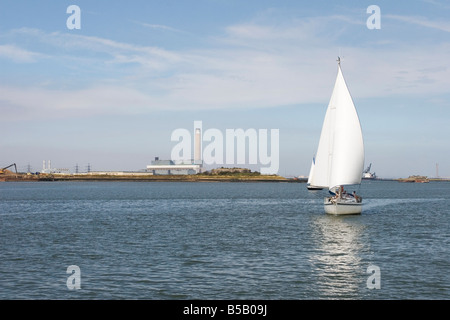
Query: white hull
(342, 207)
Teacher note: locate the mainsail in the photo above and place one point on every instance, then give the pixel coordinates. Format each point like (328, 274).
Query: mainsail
(340, 153)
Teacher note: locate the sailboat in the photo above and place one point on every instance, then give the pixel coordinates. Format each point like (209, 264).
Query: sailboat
(339, 158)
(311, 173)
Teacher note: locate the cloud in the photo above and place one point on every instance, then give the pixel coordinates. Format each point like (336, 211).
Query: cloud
(251, 65)
(159, 27)
(421, 21)
(17, 54)
(437, 4)
(311, 31)
(38, 102)
(70, 45)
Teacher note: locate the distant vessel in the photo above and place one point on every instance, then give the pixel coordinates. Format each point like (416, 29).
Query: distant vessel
(310, 177)
(367, 175)
(339, 159)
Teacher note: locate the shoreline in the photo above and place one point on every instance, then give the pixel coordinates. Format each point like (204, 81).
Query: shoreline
(150, 178)
(175, 178)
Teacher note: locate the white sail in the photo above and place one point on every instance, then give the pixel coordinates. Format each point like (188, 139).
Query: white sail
(309, 185)
(311, 171)
(323, 156)
(340, 154)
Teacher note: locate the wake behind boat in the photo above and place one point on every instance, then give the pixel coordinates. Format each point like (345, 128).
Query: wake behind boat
(339, 159)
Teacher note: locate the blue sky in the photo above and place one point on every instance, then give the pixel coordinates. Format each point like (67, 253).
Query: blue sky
(111, 93)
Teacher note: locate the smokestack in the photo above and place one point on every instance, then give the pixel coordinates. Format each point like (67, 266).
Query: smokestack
(198, 142)
(43, 165)
(49, 164)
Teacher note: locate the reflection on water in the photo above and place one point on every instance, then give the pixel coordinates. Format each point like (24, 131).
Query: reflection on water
(337, 259)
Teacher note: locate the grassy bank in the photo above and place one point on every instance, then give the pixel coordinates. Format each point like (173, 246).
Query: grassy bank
(236, 177)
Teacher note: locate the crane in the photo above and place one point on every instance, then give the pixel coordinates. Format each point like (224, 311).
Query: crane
(367, 174)
(368, 169)
(2, 170)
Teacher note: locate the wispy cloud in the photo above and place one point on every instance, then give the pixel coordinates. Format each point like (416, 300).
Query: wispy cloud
(306, 29)
(421, 21)
(18, 54)
(438, 3)
(53, 103)
(81, 44)
(159, 27)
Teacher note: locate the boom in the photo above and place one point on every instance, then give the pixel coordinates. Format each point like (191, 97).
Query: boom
(2, 170)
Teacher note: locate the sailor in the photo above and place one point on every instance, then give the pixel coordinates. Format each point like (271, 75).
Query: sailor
(341, 192)
(356, 196)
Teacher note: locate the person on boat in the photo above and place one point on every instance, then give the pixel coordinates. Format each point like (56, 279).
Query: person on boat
(341, 192)
(357, 198)
(335, 196)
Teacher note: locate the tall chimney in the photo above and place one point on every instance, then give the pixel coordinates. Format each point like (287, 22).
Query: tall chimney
(197, 153)
(198, 142)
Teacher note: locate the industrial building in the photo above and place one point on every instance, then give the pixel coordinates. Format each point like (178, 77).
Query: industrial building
(48, 169)
(164, 167)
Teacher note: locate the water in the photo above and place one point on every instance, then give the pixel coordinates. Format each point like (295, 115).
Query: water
(185, 240)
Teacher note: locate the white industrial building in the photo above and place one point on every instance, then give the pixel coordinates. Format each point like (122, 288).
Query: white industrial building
(48, 169)
(165, 167)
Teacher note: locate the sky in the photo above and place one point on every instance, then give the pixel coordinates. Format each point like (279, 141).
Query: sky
(110, 93)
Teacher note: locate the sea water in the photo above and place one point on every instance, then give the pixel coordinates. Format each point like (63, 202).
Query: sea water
(189, 240)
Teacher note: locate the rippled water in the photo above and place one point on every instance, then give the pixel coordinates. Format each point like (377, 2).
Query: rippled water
(163, 240)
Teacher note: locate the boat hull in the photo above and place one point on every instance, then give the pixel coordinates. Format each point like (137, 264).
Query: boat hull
(342, 207)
